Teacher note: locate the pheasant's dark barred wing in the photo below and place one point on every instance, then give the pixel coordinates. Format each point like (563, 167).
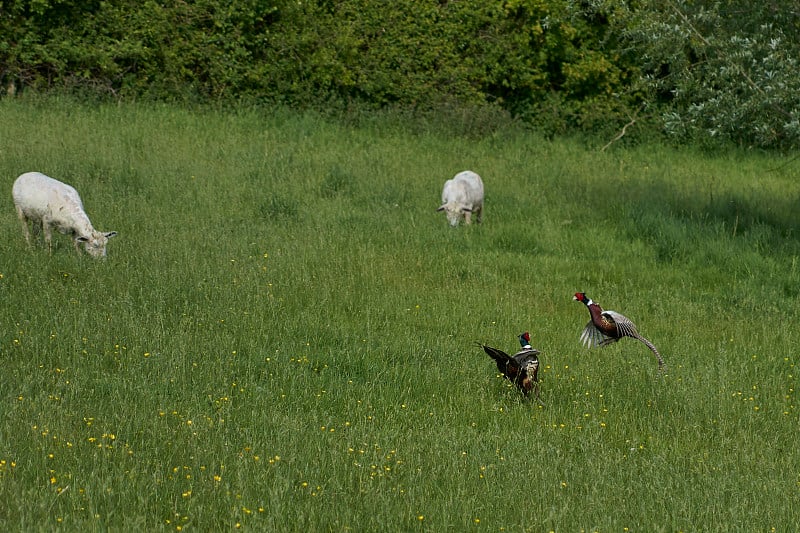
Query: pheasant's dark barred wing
(625, 328)
(528, 362)
(618, 326)
(526, 358)
(505, 363)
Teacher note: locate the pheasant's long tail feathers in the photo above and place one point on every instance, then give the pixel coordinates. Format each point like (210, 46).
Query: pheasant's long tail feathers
(661, 365)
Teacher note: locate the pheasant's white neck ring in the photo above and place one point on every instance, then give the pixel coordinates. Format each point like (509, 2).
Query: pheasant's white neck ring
(526, 347)
(589, 301)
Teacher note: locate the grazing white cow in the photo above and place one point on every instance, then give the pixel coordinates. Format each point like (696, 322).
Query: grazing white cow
(41, 200)
(463, 196)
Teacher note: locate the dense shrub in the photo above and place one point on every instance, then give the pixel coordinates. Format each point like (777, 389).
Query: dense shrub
(704, 69)
(720, 71)
(514, 54)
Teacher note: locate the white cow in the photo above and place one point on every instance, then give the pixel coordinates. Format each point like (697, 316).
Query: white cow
(47, 202)
(462, 196)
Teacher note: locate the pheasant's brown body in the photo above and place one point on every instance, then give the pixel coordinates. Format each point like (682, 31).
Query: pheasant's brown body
(602, 322)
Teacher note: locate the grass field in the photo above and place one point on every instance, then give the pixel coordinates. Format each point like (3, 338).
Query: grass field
(283, 336)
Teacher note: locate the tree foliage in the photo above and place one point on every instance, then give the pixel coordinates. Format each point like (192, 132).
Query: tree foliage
(513, 53)
(722, 70)
(716, 69)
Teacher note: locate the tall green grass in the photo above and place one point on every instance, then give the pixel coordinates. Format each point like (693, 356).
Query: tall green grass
(283, 336)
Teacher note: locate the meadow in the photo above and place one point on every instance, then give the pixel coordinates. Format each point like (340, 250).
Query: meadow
(283, 336)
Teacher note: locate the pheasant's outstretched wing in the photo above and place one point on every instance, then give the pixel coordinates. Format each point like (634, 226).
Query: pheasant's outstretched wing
(591, 336)
(528, 362)
(526, 352)
(523, 364)
(505, 363)
(526, 358)
(625, 327)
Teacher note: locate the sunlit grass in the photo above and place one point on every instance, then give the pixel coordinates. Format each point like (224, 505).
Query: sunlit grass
(283, 336)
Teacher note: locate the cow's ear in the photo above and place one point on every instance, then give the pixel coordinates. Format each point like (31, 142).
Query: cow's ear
(466, 210)
(440, 208)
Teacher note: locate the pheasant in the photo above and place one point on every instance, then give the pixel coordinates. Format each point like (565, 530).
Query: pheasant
(606, 327)
(521, 368)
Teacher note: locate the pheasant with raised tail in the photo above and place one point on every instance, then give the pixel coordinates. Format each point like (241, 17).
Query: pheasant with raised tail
(522, 368)
(606, 327)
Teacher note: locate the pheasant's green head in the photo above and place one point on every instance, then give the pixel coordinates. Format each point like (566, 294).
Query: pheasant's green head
(525, 340)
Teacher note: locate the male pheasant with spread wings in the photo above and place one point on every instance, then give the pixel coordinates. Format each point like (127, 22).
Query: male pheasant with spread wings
(522, 368)
(606, 327)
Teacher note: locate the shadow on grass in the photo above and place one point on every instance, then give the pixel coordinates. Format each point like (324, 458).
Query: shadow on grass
(679, 225)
